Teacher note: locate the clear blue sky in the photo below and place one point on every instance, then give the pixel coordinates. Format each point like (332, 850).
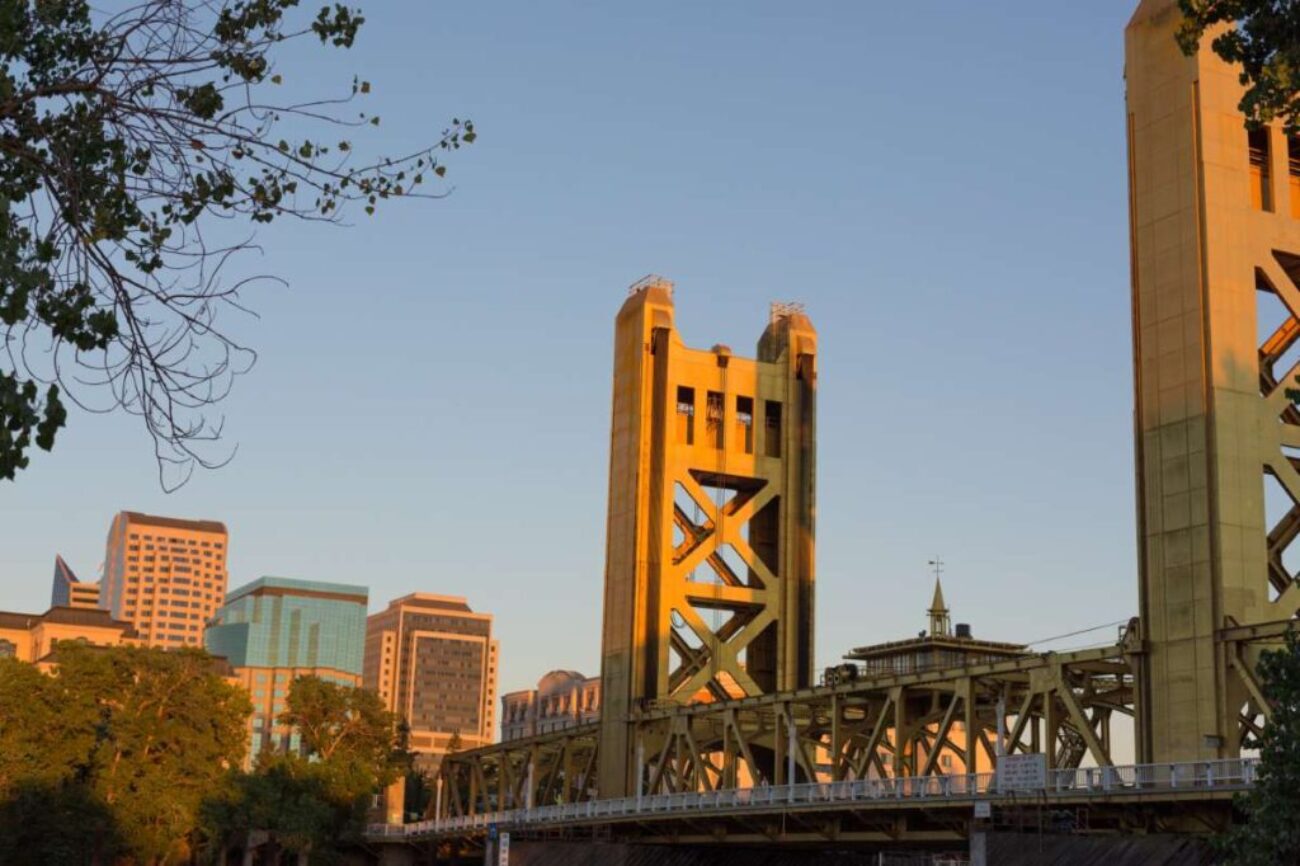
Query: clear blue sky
(941, 183)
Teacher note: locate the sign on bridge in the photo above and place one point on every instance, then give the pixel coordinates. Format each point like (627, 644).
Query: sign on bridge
(1022, 772)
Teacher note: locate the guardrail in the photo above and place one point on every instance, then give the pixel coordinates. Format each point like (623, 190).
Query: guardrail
(1226, 775)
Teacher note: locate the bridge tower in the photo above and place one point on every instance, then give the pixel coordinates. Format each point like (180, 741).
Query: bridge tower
(1215, 224)
(709, 547)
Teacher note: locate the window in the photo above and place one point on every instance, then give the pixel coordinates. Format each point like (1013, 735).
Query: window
(1293, 173)
(745, 423)
(8, 649)
(713, 418)
(685, 415)
(772, 428)
(1261, 181)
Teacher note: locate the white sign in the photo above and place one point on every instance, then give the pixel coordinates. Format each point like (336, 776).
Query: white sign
(983, 809)
(503, 850)
(1022, 772)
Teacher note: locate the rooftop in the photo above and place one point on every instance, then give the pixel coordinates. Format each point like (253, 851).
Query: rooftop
(173, 522)
(269, 585)
(92, 617)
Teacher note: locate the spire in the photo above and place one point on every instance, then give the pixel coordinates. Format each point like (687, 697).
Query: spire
(939, 622)
(937, 605)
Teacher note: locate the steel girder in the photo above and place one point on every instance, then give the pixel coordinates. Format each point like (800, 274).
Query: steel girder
(932, 723)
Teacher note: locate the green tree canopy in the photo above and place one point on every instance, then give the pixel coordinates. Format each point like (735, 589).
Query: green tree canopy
(132, 143)
(315, 799)
(347, 730)
(1265, 43)
(1271, 833)
(114, 752)
(167, 729)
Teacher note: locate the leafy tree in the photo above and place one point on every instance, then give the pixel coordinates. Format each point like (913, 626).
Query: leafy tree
(1266, 44)
(348, 732)
(1271, 834)
(167, 727)
(315, 800)
(137, 149)
(62, 824)
(46, 733)
(284, 797)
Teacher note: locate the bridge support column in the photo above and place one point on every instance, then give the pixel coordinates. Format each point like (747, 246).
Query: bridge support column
(709, 540)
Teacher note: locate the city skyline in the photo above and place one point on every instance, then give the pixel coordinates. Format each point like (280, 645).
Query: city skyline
(355, 466)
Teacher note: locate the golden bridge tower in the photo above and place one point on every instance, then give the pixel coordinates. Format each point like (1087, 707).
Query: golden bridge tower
(709, 556)
(1215, 222)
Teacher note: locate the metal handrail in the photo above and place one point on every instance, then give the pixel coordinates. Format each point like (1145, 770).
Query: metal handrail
(1231, 773)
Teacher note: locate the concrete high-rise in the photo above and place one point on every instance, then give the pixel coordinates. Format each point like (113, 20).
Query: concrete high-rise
(276, 629)
(165, 576)
(433, 661)
(68, 591)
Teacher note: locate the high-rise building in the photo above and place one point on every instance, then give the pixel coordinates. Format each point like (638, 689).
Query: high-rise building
(32, 637)
(165, 576)
(275, 630)
(433, 661)
(68, 591)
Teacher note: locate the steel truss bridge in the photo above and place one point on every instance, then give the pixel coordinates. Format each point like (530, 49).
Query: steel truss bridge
(912, 809)
(882, 759)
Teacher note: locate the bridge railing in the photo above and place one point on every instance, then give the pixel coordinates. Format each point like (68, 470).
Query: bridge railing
(1232, 774)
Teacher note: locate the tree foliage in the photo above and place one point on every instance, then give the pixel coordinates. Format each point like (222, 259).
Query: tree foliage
(348, 733)
(167, 728)
(1271, 834)
(314, 799)
(119, 748)
(1265, 43)
(134, 144)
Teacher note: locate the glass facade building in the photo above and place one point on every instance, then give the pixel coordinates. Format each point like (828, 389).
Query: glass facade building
(277, 629)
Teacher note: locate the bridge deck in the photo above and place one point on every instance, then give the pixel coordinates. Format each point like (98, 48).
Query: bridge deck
(687, 815)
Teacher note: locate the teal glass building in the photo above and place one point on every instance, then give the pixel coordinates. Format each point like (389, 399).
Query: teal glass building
(276, 629)
(281, 622)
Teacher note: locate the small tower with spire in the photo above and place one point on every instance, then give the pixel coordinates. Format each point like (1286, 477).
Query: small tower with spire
(940, 625)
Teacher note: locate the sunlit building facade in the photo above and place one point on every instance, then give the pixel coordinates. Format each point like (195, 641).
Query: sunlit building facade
(433, 661)
(31, 637)
(276, 629)
(68, 591)
(561, 700)
(165, 576)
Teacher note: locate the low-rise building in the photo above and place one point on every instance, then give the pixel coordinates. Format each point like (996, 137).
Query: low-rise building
(561, 700)
(276, 629)
(31, 637)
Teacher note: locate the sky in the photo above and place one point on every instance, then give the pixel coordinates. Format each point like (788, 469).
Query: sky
(941, 184)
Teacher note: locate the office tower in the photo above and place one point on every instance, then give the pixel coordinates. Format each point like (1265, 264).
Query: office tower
(433, 661)
(165, 576)
(275, 630)
(68, 591)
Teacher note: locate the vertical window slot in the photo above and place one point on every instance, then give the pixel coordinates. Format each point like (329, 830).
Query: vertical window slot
(685, 415)
(1261, 181)
(772, 428)
(745, 423)
(1293, 173)
(713, 418)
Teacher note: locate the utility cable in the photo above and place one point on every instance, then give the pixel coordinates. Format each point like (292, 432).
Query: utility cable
(1079, 632)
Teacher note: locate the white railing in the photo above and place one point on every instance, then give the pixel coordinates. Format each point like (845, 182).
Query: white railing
(1227, 775)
